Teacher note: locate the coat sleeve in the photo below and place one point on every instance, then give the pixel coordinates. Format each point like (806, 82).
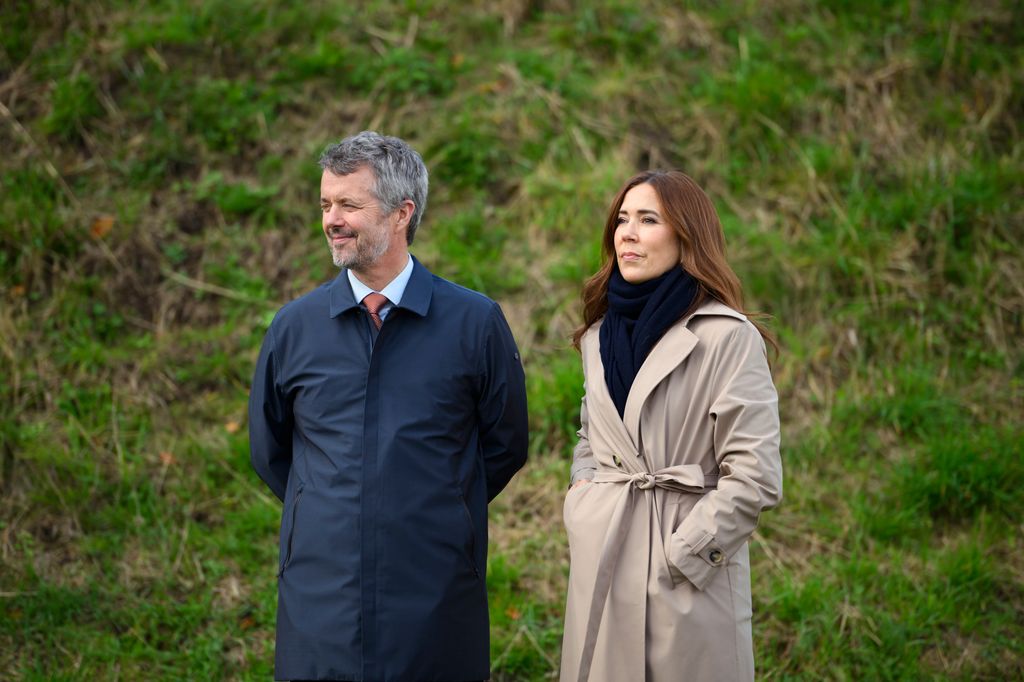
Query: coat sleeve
(270, 421)
(504, 434)
(583, 465)
(746, 442)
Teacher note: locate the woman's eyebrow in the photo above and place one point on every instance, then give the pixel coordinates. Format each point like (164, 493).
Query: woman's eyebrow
(642, 211)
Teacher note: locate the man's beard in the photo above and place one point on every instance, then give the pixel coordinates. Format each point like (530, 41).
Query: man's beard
(369, 248)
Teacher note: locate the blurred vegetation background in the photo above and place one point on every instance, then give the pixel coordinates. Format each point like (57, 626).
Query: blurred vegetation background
(158, 202)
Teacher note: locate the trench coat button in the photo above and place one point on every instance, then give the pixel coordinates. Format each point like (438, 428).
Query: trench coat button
(715, 556)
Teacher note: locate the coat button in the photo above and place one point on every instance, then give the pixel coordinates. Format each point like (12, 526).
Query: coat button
(715, 556)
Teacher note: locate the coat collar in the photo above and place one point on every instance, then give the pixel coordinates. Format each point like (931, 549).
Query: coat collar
(674, 346)
(670, 351)
(416, 298)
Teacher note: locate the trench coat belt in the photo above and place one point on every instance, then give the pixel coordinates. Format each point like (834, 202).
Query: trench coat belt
(684, 478)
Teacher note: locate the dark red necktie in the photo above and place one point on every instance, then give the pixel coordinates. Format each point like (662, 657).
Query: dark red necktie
(374, 302)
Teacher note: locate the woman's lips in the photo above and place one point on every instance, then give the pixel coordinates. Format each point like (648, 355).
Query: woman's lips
(629, 256)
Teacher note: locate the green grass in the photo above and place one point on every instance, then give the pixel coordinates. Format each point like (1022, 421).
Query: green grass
(157, 204)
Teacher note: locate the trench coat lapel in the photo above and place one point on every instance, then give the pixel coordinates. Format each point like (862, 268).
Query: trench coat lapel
(677, 343)
(604, 407)
(674, 346)
(670, 351)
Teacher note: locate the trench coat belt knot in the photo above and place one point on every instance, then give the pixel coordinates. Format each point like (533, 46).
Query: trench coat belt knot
(643, 480)
(683, 478)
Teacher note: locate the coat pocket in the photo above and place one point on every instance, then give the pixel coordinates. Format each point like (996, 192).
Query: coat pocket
(570, 496)
(291, 532)
(472, 535)
(674, 509)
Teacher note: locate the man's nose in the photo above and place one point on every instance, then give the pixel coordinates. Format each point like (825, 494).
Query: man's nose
(332, 216)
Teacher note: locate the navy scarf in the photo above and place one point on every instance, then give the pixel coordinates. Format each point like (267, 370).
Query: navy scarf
(638, 315)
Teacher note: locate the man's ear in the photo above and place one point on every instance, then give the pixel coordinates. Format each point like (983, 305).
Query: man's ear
(403, 214)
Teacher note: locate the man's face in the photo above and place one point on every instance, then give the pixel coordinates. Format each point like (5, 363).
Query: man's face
(358, 231)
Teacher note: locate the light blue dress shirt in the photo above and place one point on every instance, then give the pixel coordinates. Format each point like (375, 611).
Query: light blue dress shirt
(393, 291)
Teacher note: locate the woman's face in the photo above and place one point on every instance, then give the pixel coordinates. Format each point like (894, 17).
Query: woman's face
(645, 245)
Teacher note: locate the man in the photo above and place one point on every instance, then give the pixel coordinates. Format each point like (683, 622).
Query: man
(387, 409)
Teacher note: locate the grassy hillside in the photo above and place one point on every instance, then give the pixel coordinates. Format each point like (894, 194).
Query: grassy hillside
(158, 202)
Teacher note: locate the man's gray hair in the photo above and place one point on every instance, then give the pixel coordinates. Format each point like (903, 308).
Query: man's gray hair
(399, 171)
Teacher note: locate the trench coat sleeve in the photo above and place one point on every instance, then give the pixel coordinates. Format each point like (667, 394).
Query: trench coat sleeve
(270, 421)
(504, 434)
(583, 464)
(746, 441)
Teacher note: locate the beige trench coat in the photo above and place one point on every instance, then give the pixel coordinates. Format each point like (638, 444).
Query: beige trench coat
(659, 581)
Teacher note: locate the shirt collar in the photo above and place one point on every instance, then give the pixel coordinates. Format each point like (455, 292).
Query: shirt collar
(393, 291)
(415, 295)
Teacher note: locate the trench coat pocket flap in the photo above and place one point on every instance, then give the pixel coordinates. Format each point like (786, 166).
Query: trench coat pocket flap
(696, 555)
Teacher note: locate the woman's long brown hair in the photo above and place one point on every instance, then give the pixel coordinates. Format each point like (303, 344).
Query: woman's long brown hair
(689, 211)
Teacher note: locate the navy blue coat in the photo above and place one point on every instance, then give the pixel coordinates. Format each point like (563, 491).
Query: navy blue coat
(385, 460)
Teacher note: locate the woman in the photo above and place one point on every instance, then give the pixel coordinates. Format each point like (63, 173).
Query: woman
(678, 451)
